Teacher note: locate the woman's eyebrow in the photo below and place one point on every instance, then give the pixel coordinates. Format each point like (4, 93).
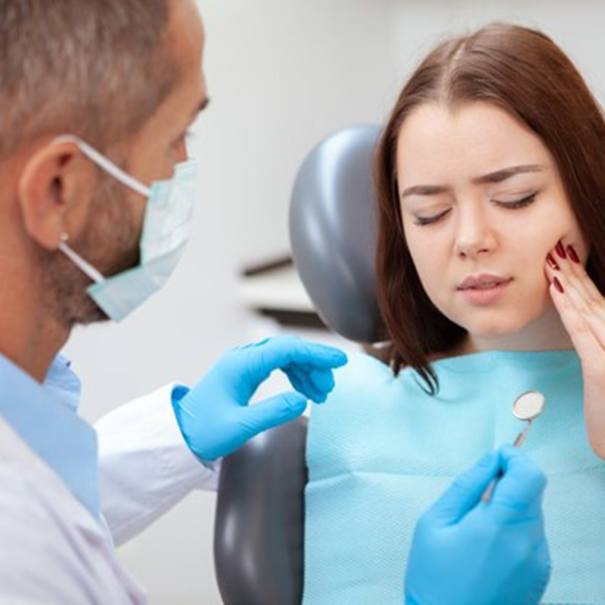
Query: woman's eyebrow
(505, 173)
(493, 177)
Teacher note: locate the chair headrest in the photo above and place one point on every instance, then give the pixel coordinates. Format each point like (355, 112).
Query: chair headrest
(333, 231)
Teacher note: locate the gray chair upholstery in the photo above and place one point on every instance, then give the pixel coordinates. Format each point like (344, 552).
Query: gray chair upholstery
(260, 508)
(259, 526)
(333, 232)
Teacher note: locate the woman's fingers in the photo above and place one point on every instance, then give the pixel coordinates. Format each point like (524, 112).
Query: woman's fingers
(569, 269)
(581, 307)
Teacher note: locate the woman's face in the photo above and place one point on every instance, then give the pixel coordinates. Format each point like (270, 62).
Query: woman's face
(480, 194)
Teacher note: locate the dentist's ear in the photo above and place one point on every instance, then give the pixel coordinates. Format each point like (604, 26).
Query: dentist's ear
(55, 190)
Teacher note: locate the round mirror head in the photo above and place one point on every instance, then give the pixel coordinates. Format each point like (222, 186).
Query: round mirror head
(529, 405)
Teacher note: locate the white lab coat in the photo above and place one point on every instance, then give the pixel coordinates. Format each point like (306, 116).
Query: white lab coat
(52, 550)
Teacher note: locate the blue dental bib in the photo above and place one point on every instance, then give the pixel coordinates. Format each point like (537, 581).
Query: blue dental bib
(381, 450)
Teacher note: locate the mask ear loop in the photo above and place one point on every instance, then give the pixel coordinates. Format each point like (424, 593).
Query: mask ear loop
(105, 163)
(116, 172)
(77, 260)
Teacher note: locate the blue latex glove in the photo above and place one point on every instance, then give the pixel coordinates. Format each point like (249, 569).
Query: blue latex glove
(467, 552)
(215, 418)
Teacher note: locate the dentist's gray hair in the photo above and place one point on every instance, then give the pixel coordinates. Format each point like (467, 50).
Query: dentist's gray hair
(95, 68)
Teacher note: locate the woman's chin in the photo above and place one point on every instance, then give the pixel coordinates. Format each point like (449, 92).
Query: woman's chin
(495, 327)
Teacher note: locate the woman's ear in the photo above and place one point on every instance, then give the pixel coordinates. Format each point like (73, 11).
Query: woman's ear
(55, 190)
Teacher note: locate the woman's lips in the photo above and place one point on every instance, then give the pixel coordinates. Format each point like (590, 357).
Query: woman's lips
(485, 296)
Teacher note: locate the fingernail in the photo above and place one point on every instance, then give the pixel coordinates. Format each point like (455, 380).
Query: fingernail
(572, 254)
(560, 249)
(558, 285)
(552, 263)
(340, 358)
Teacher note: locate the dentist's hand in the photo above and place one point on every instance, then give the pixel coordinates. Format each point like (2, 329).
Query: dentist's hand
(215, 417)
(467, 552)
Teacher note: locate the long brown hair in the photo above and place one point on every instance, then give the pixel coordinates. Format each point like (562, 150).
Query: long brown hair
(525, 73)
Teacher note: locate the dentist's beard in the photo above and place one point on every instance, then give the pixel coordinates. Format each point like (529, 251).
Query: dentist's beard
(109, 242)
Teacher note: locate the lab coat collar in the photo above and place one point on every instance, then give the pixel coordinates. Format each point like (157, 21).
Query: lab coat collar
(45, 417)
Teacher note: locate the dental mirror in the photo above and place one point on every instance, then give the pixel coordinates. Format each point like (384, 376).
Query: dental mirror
(528, 406)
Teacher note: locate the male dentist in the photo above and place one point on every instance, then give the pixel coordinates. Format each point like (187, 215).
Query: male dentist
(96, 97)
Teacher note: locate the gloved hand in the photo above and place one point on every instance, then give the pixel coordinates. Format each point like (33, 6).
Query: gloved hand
(215, 418)
(467, 552)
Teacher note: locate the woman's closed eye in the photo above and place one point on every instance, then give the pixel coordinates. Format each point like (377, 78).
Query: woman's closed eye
(515, 204)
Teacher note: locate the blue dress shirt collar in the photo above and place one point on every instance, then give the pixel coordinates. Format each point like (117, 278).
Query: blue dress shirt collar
(45, 417)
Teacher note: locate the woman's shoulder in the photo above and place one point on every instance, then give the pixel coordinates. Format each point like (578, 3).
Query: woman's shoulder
(367, 396)
(364, 378)
(376, 365)
(363, 367)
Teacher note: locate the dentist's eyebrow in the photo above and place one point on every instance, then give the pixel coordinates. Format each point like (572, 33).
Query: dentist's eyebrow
(492, 177)
(200, 107)
(196, 112)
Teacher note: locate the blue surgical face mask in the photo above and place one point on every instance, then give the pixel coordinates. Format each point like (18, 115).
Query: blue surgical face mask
(166, 229)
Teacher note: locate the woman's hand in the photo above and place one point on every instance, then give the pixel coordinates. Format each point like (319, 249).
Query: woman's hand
(582, 310)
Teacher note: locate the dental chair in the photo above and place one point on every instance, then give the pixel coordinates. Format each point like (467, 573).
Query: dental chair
(259, 526)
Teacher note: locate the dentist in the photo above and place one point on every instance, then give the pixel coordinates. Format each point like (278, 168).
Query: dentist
(96, 99)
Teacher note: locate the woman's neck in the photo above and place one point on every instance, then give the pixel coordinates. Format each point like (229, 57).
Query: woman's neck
(547, 333)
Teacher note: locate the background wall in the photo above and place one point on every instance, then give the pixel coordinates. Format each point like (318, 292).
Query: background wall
(282, 75)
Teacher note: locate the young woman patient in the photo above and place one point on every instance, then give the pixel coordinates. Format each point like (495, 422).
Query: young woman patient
(491, 264)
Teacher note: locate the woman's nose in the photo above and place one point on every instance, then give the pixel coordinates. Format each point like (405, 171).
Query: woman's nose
(474, 233)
